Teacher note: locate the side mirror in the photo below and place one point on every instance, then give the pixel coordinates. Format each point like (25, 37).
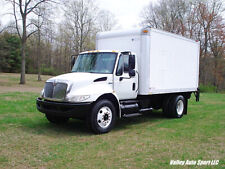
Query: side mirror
(131, 72)
(131, 62)
(72, 61)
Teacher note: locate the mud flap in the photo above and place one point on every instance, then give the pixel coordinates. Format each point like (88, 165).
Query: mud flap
(197, 95)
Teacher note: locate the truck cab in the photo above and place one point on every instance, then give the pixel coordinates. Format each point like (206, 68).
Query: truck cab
(145, 72)
(102, 78)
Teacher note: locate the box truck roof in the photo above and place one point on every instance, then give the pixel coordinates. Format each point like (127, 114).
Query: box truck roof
(137, 31)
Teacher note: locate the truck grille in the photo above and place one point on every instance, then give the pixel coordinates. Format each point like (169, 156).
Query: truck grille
(55, 91)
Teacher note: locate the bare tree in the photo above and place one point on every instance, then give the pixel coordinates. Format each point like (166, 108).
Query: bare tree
(41, 13)
(208, 14)
(65, 46)
(22, 9)
(80, 17)
(4, 28)
(209, 19)
(169, 15)
(217, 48)
(106, 20)
(1, 28)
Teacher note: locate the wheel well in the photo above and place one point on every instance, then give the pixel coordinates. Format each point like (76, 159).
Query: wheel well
(113, 99)
(187, 95)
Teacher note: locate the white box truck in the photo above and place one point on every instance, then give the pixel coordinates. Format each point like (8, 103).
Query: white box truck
(130, 72)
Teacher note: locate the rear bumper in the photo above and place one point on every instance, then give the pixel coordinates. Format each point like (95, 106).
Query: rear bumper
(64, 109)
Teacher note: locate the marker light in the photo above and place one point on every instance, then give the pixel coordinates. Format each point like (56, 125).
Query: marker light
(145, 31)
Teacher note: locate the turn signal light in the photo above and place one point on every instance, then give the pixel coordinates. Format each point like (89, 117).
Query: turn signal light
(145, 31)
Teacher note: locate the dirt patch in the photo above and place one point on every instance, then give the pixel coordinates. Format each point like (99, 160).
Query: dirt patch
(5, 82)
(9, 82)
(20, 88)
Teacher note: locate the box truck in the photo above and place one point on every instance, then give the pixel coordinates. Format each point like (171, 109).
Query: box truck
(130, 72)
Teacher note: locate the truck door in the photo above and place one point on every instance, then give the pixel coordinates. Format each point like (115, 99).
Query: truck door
(124, 85)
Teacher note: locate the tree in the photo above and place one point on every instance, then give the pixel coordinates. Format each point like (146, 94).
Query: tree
(106, 20)
(208, 14)
(80, 18)
(209, 19)
(9, 52)
(22, 9)
(217, 47)
(41, 13)
(1, 28)
(169, 15)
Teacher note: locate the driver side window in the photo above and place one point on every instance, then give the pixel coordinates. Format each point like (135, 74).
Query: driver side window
(123, 65)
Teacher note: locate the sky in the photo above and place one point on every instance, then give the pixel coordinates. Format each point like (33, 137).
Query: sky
(126, 12)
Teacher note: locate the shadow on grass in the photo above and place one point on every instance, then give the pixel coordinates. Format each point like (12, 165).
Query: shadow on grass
(151, 116)
(41, 126)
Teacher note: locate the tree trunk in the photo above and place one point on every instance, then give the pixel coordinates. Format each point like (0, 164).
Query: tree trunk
(39, 55)
(23, 54)
(23, 62)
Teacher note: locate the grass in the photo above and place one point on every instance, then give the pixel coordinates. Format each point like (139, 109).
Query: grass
(207, 88)
(28, 140)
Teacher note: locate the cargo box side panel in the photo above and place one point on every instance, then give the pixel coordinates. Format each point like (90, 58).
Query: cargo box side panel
(122, 43)
(128, 40)
(173, 63)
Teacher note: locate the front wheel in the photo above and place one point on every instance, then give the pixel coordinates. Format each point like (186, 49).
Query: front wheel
(102, 117)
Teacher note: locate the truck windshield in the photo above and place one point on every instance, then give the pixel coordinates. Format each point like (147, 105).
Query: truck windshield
(95, 63)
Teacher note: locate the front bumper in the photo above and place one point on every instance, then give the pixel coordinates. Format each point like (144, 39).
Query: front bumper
(64, 109)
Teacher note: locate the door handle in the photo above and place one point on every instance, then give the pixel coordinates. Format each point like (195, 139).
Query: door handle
(121, 78)
(134, 86)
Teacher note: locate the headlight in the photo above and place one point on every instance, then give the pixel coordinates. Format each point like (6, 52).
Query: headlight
(42, 93)
(79, 98)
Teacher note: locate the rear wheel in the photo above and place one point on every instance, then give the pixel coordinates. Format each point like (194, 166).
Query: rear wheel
(102, 117)
(166, 106)
(56, 119)
(175, 106)
(178, 106)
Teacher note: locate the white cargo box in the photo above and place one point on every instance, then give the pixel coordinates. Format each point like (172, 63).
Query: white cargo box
(167, 62)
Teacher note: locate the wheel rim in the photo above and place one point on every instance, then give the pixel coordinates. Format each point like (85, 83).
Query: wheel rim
(104, 117)
(180, 107)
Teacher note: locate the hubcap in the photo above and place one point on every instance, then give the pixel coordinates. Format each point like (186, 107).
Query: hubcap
(180, 107)
(104, 117)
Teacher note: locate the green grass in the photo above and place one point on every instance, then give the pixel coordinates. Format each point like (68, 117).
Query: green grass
(207, 88)
(28, 140)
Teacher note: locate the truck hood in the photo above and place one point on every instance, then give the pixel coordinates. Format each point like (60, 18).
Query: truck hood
(77, 79)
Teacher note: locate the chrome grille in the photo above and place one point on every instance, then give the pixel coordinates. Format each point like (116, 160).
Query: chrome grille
(55, 91)
(48, 91)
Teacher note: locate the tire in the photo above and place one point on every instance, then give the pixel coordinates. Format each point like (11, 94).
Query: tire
(102, 118)
(56, 119)
(177, 106)
(166, 106)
